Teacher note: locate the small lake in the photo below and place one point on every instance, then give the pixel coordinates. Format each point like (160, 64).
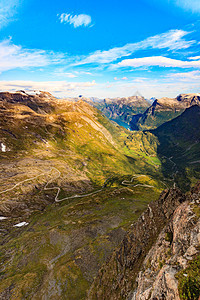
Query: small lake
(123, 124)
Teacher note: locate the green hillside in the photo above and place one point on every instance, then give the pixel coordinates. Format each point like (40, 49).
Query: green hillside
(102, 176)
(79, 182)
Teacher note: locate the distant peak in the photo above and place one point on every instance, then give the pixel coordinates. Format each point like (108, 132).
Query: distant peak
(138, 94)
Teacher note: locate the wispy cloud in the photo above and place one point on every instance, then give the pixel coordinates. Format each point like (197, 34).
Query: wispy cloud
(157, 61)
(171, 40)
(193, 5)
(163, 86)
(76, 20)
(123, 78)
(8, 9)
(185, 76)
(58, 88)
(61, 72)
(14, 56)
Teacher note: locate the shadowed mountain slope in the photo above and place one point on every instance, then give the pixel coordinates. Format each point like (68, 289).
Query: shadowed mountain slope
(179, 147)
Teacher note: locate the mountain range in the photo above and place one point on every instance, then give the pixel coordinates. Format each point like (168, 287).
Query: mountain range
(137, 113)
(163, 110)
(121, 110)
(83, 213)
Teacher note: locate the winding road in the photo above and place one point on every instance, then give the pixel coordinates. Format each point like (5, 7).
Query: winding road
(124, 182)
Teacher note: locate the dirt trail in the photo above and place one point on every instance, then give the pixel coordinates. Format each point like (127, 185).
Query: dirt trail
(124, 182)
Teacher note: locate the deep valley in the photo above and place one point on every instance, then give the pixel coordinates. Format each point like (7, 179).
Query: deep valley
(83, 200)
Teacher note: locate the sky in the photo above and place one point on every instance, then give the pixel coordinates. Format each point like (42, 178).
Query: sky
(100, 48)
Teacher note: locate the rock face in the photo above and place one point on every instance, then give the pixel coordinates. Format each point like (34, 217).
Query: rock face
(189, 99)
(116, 280)
(38, 102)
(175, 247)
(163, 110)
(161, 245)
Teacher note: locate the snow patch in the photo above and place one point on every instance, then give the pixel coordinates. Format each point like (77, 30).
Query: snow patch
(33, 93)
(21, 224)
(3, 218)
(3, 147)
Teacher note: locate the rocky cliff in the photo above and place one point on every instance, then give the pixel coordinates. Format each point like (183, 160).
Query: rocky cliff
(168, 271)
(158, 258)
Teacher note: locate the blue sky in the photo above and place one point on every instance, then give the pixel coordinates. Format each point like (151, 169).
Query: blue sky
(100, 48)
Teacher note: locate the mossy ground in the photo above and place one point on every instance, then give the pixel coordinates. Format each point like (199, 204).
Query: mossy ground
(189, 280)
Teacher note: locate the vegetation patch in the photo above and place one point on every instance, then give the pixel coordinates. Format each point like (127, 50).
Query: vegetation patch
(189, 281)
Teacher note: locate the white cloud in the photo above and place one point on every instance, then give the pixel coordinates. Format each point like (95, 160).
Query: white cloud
(165, 86)
(157, 61)
(76, 20)
(171, 40)
(64, 74)
(7, 11)
(70, 75)
(13, 56)
(194, 57)
(58, 88)
(124, 78)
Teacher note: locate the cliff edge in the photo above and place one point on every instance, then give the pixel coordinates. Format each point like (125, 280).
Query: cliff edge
(159, 257)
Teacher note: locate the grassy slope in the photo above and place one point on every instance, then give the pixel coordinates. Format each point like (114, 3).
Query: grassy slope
(59, 253)
(64, 135)
(62, 248)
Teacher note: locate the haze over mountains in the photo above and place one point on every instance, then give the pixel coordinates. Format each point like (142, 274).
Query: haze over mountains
(73, 184)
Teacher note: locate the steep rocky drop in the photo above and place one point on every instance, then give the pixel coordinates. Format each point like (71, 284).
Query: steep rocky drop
(157, 257)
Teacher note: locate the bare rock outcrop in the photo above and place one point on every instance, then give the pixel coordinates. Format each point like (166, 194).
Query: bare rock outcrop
(116, 280)
(155, 254)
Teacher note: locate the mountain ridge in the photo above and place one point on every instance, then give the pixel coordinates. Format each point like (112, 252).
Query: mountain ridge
(162, 110)
(121, 109)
